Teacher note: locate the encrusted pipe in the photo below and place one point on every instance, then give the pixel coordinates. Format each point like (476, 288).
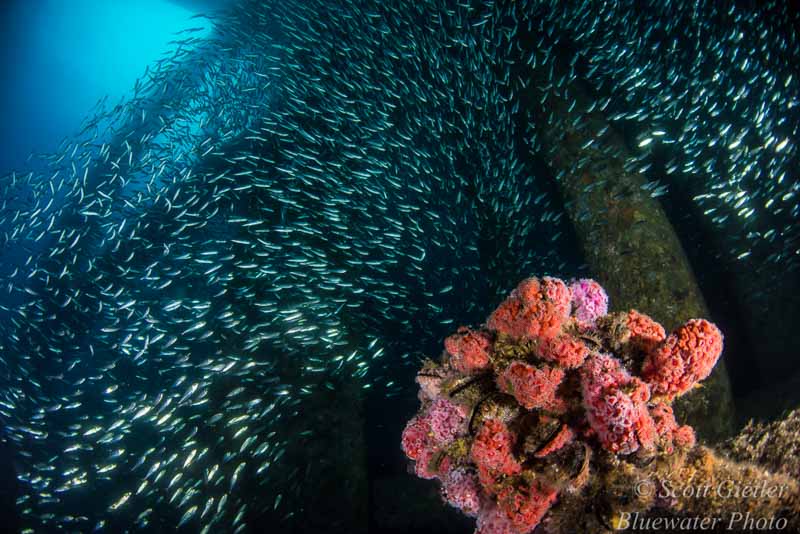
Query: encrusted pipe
(628, 241)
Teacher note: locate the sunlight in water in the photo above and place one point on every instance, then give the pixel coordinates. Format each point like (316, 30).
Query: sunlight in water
(65, 56)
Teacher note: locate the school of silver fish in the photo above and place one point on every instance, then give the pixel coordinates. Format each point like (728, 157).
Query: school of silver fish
(316, 192)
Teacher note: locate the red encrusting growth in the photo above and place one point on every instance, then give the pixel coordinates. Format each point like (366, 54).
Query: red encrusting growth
(469, 350)
(683, 359)
(526, 505)
(645, 333)
(664, 419)
(415, 437)
(526, 406)
(535, 309)
(667, 429)
(424, 467)
(615, 405)
(684, 437)
(492, 449)
(532, 386)
(564, 349)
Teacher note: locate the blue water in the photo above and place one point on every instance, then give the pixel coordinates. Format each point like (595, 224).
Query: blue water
(61, 58)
